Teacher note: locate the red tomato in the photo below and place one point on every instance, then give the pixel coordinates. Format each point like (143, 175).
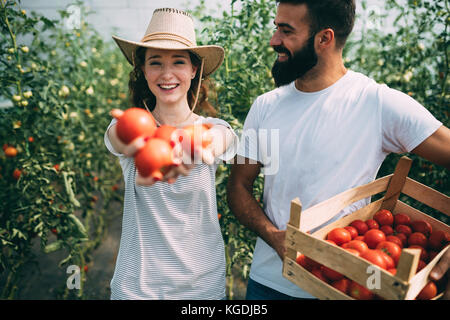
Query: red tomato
(311, 264)
(432, 254)
(428, 292)
(196, 138)
(10, 152)
(395, 239)
(358, 245)
(339, 236)
(438, 240)
(360, 225)
(330, 274)
(373, 237)
(401, 228)
(401, 218)
(359, 292)
(391, 249)
(423, 252)
(332, 242)
(388, 259)
(422, 264)
(342, 285)
(403, 238)
(418, 238)
(393, 271)
(135, 122)
(384, 217)
(372, 224)
(154, 156)
(167, 133)
(387, 230)
(318, 273)
(422, 226)
(353, 231)
(353, 251)
(375, 257)
(361, 238)
(16, 174)
(301, 260)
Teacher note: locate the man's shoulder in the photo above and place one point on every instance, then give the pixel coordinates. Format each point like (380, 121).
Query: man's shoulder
(274, 95)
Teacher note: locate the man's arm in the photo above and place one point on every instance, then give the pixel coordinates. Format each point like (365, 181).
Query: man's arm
(245, 207)
(436, 148)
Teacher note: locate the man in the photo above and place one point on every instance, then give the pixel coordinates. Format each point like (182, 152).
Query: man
(328, 129)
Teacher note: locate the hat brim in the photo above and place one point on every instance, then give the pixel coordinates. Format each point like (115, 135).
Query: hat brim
(212, 55)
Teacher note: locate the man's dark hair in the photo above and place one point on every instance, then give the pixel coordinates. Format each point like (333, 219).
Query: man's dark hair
(338, 15)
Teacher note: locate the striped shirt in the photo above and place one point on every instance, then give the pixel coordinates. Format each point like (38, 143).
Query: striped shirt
(171, 246)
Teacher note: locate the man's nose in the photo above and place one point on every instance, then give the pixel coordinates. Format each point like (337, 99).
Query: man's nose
(275, 40)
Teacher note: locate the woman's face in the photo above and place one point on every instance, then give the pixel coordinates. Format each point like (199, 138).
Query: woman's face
(169, 74)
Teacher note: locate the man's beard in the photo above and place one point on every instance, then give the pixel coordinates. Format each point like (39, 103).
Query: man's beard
(297, 64)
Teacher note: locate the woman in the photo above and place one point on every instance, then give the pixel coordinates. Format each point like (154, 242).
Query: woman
(171, 246)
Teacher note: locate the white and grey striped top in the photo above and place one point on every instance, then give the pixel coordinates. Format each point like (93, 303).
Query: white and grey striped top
(171, 246)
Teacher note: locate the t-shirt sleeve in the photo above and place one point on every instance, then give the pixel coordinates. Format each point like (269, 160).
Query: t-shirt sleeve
(248, 146)
(232, 147)
(108, 144)
(405, 122)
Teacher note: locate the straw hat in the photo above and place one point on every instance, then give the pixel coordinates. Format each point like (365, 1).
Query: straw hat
(173, 29)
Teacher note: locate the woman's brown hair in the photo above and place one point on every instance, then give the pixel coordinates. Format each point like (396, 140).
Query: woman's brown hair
(139, 91)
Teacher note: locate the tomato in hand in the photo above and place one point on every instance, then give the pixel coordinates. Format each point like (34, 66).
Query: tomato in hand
(134, 122)
(401, 218)
(167, 133)
(391, 249)
(373, 237)
(361, 226)
(339, 236)
(155, 155)
(384, 217)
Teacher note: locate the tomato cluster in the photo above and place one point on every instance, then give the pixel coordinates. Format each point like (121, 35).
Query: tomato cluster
(380, 241)
(158, 154)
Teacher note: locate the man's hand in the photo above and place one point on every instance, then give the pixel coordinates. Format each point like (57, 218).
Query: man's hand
(277, 243)
(439, 270)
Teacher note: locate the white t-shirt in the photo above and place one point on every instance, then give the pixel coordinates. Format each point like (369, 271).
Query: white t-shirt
(171, 245)
(315, 145)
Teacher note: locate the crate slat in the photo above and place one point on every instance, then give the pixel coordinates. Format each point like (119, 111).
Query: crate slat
(427, 195)
(320, 213)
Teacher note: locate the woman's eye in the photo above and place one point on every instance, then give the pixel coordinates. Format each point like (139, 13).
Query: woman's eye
(179, 62)
(155, 63)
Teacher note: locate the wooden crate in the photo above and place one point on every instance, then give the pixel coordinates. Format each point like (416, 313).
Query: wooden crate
(406, 284)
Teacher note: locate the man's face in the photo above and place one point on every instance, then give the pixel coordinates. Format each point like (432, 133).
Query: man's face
(294, 44)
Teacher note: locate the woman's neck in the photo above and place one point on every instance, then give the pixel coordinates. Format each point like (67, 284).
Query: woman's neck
(174, 115)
